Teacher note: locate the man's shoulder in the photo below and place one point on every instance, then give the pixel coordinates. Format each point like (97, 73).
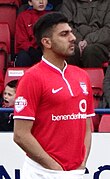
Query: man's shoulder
(77, 69)
(78, 73)
(35, 69)
(31, 75)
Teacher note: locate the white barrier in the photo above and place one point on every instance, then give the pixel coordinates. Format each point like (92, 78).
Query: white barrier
(12, 157)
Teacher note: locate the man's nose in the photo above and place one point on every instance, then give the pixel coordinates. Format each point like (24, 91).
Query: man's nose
(73, 37)
(40, 1)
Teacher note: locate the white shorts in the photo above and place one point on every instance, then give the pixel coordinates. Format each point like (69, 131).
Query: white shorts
(33, 170)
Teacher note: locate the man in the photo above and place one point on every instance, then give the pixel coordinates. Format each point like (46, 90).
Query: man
(52, 102)
(90, 21)
(7, 101)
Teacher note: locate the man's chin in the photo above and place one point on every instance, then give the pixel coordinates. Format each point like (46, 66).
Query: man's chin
(70, 54)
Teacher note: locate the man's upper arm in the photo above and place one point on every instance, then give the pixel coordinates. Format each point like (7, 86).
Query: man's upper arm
(22, 127)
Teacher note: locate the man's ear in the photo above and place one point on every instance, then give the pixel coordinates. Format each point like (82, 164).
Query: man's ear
(30, 3)
(46, 42)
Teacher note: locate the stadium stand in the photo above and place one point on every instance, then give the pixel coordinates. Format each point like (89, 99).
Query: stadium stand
(104, 125)
(96, 77)
(13, 73)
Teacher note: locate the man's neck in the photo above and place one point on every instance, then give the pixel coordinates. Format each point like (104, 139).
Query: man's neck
(56, 60)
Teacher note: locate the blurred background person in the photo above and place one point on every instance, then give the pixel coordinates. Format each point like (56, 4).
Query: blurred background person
(26, 50)
(105, 99)
(90, 21)
(7, 101)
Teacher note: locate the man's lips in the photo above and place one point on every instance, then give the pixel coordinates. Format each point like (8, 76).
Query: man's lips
(6, 101)
(41, 6)
(72, 47)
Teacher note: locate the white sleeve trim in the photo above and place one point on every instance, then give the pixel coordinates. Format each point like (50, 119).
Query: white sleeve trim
(90, 115)
(24, 117)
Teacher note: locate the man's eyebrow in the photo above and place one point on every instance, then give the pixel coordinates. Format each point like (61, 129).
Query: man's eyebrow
(66, 31)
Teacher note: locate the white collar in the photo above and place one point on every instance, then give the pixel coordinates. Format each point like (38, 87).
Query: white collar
(53, 66)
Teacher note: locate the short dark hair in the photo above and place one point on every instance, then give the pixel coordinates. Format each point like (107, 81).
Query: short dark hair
(12, 84)
(43, 27)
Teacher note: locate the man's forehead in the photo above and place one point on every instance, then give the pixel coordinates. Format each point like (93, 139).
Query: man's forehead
(62, 27)
(9, 89)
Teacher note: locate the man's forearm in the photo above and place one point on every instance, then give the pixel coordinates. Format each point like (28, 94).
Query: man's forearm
(88, 138)
(35, 151)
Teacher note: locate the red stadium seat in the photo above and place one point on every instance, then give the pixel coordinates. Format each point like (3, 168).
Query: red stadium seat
(3, 61)
(14, 73)
(5, 47)
(5, 36)
(96, 77)
(8, 13)
(104, 125)
(1, 82)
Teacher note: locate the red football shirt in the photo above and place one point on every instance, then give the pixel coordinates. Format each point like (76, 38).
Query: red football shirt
(58, 103)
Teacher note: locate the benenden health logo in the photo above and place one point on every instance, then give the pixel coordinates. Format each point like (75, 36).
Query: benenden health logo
(79, 115)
